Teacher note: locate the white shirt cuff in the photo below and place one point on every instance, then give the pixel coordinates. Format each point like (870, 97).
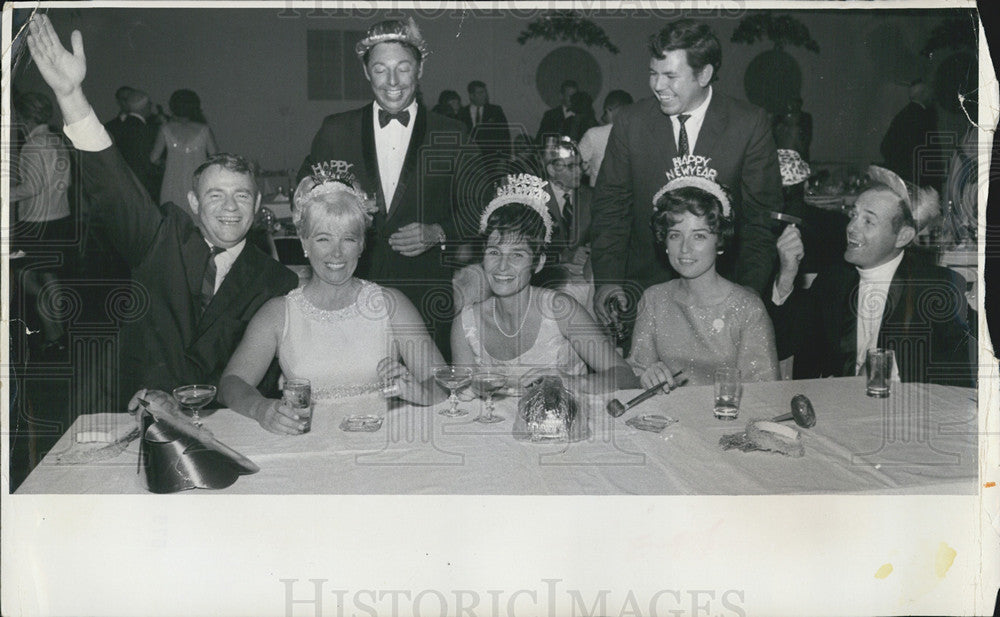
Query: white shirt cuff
(88, 134)
(777, 298)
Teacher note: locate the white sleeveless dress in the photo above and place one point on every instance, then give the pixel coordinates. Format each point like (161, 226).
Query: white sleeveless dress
(337, 351)
(550, 350)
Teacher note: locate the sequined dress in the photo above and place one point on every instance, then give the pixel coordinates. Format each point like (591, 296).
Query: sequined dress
(337, 351)
(184, 155)
(736, 332)
(550, 350)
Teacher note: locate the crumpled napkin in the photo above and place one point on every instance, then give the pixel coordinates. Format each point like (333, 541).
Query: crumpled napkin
(766, 436)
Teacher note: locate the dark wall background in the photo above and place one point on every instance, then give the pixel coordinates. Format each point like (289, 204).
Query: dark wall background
(249, 67)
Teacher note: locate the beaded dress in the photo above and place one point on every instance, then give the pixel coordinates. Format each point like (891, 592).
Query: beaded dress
(184, 155)
(338, 351)
(735, 332)
(550, 350)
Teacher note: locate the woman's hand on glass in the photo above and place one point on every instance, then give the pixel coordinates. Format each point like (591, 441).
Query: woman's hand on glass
(278, 418)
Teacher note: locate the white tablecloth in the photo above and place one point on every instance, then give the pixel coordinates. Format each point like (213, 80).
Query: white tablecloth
(920, 440)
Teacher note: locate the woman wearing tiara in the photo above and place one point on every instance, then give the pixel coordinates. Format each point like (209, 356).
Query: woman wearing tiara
(521, 328)
(699, 321)
(349, 337)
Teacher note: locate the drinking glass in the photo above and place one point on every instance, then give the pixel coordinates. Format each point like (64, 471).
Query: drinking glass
(728, 392)
(454, 378)
(487, 384)
(297, 395)
(193, 398)
(878, 372)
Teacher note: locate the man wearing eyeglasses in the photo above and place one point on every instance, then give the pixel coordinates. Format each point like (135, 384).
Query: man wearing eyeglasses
(568, 261)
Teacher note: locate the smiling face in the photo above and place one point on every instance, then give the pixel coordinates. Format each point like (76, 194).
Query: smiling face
(871, 240)
(692, 246)
(676, 85)
(225, 204)
(334, 245)
(508, 263)
(394, 74)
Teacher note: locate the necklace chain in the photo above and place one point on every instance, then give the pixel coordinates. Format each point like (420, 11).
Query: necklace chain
(523, 319)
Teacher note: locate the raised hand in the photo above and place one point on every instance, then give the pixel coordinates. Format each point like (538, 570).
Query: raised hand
(62, 70)
(790, 253)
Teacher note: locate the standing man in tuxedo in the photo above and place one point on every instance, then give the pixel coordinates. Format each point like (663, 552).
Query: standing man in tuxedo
(134, 136)
(556, 120)
(686, 124)
(909, 131)
(196, 281)
(408, 156)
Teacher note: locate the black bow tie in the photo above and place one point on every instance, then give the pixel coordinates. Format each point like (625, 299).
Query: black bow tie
(385, 117)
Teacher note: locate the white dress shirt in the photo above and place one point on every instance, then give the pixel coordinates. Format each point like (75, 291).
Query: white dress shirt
(224, 261)
(391, 144)
(592, 146)
(693, 124)
(475, 112)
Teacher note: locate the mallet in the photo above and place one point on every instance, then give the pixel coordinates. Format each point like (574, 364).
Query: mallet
(802, 412)
(616, 408)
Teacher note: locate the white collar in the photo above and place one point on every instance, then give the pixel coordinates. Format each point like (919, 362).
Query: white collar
(139, 116)
(881, 273)
(233, 251)
(698, 113)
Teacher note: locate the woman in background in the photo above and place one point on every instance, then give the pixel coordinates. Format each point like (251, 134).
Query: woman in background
(187, 141)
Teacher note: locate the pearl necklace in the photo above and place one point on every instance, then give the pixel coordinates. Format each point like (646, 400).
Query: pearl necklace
(523, 319)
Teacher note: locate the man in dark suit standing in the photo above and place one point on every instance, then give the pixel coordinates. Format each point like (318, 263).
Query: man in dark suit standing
(686, 124)
(195, 286)
(883, 296)
(409, 157)
(134, 135)
(908, 133)
(486, 122)
(556, 120)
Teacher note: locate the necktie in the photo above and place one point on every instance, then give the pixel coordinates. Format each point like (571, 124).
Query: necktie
(385, 117)
(479, 116)
(568, 214)
(208, 281)
(682, 139)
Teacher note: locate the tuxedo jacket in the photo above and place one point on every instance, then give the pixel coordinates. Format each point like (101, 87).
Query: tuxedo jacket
(737, 138)
(427, 192)
(492, 132)
(924, 322)
(166, 340)
(134, 140)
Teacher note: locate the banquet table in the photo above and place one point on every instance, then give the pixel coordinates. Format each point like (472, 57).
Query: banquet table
(922, 439)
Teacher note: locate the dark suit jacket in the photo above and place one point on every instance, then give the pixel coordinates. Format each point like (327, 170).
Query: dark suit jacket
(906, 139)
(492, 133)
(924, 323)
(426, 193)
(737, 137)
(565, 240)
(166, 341)
(553, 123)
(134, 140)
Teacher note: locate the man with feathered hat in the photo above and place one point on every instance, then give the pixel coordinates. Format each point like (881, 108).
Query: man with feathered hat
(408, 157)
(885, 295)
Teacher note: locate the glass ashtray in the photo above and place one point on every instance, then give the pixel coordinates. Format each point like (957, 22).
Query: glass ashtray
(653, 423)
(361, 424)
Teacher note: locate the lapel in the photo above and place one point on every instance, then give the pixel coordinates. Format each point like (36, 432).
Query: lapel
(561, 233)
(848, 343)
(194, 256)
(370, 156)
(897, 306)
(712, 129)
(237, 281)
(659, 132)
(409, 170)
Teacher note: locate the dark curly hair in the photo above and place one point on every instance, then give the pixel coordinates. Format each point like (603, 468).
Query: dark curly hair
(517, 221)
(673, 204)
(186, 104)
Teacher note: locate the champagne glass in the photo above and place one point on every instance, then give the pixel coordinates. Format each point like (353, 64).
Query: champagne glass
(487, 384)
(453, 378)
(193, 398)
